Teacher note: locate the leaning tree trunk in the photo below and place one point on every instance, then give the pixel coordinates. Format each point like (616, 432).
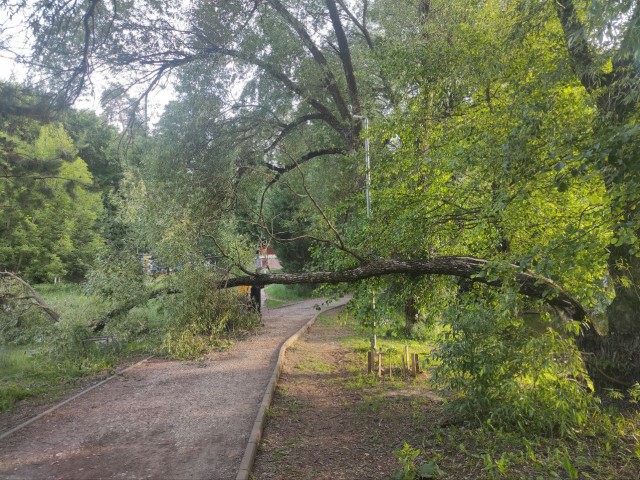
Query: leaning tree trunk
(614, 359)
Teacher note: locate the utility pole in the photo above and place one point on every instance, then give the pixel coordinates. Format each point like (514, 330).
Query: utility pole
(367, 163)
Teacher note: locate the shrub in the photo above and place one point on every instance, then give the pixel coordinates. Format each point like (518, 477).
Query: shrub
(503, 372)
(203, 315)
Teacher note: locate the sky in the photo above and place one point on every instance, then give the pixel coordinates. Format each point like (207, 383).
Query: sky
(15, 42)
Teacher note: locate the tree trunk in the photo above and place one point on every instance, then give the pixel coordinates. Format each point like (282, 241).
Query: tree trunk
(471, 268)
(410, 313)
(614, 359)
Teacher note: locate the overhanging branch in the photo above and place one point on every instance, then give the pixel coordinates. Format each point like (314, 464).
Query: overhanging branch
(466, 267)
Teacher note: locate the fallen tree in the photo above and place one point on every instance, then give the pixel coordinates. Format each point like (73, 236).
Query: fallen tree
(474, 269)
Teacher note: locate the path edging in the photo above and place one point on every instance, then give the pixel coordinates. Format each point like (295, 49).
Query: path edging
(64, 402)
(256, 432)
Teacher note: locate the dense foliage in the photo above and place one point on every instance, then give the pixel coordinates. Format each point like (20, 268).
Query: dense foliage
(500, 130)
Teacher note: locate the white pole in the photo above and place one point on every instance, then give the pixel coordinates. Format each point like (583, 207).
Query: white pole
(367, 160)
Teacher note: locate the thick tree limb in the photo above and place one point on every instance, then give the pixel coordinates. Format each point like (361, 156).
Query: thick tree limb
(289, 127)
(99, 324)
(609, 89)
(580, 54)
(319, 58)
(361, 25)
(465, 267)
(305, 158)
(345, 56)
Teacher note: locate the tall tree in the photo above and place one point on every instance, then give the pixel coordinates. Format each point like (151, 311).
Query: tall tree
(603, 45)
(275, 91)
(50, 211)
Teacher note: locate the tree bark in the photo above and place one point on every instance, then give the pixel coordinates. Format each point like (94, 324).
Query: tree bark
(465, 267)
(613, 360)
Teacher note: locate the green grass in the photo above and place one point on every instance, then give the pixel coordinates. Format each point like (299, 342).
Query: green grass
(313, 365)
(42, 360)
(283, 294)
(271, 303)
(25, 373)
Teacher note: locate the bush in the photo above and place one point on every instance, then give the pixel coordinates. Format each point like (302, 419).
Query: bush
(203, 316)
(504, 373)
(117, 276)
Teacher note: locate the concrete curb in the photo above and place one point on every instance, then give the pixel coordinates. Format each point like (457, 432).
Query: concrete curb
(256, 432)
(64, 402)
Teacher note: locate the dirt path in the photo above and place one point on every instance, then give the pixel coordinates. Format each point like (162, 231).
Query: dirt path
(328, 422)
(161, 419)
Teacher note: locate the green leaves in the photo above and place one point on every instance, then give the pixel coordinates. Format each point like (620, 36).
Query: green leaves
(50, 229)
(410, 470)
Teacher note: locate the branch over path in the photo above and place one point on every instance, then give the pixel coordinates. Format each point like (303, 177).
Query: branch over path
(474, 269)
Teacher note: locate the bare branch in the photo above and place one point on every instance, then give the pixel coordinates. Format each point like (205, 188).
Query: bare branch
(38, 300)
(330, 81)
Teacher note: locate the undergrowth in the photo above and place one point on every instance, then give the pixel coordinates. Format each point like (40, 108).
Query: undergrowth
(517, 401)
(204, 317)
(41, 359)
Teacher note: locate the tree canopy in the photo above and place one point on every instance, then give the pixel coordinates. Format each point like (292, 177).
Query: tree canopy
(503, 138)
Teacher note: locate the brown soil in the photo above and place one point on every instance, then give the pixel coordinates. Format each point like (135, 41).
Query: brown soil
(330, 420)
(160, 420)
(319, 427)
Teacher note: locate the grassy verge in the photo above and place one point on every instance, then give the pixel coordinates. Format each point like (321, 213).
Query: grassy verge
(331, 419)
(280, 295)
(41, 361)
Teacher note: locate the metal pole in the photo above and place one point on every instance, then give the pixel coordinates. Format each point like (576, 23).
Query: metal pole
(367, 160)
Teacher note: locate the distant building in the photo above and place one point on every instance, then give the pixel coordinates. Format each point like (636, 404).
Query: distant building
(268, 260)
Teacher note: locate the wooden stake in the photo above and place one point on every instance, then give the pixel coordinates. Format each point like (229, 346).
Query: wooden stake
(369, 361)
(379, 364)
(405, 360)
(405, 367)
(415, 355)
(413, 364)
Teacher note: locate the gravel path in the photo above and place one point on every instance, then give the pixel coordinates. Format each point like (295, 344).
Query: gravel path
(161, 419)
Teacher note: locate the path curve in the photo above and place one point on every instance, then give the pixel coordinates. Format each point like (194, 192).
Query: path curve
(161, 419)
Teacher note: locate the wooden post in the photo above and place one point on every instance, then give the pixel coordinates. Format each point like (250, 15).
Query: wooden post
(405, 360)
(379, 364)
(369, 361)
(405, 367)
(417, 363)
(413, 364)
